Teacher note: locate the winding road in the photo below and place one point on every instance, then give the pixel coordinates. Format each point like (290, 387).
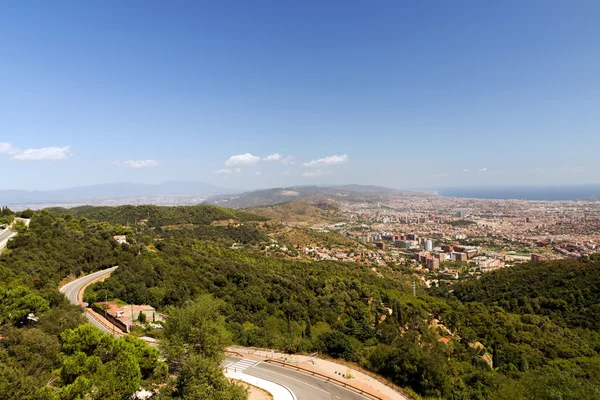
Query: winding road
(5, 235)
(71, 291)
(302, 385)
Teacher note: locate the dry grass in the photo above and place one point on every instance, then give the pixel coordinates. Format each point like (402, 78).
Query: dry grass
(255, 393)
(299, 213)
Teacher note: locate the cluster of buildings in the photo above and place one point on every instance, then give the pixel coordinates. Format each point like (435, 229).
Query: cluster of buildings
(124, 317)
(443, 237)
(483, 234)
(379, 257)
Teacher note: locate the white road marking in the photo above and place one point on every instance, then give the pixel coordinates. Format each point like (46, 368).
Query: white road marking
(243, 364)
(297, 380)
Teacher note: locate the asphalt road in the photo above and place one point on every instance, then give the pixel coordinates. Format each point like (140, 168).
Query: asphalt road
(71, 289)
(5, 234)
(304, 387)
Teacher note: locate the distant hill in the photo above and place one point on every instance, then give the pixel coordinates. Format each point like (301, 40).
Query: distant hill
(110, 191)
(280, 195)
(300, 213)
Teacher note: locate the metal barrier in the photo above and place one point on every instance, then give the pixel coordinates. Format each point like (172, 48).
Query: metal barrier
(327, 378)
(234, 353)
(109, 317)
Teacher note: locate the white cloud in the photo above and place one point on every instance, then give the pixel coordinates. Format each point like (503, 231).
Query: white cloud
(483, 170)
(287, 160)
(316, 173)
(138, 164)
(258, 172)
(242, 160)
(223, 171)
(465, 170)
(327, 161)
(273, 157)
(7, 148)
(44, 154)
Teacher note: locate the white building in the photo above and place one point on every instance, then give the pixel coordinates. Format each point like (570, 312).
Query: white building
(120, 239)
(428, 245)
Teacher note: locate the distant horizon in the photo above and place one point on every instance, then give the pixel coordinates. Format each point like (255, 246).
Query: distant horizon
(69, 197)
(414, 188)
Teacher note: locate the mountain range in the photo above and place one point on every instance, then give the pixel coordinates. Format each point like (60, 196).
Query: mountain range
(187, 193)
(273, 196)
(112, 191)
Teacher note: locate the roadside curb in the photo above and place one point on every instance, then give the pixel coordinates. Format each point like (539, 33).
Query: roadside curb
(352, 385)
(115, 331)
(357, 388)
(90, 313)
(279, 392)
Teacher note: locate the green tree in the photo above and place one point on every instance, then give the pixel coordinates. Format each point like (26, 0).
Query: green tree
(197, 328)
(201, 378)
(17, 303)
(19, 226)
(194, 339)
(337, 344)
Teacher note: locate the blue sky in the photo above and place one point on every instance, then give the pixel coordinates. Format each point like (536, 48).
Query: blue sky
(403, 94)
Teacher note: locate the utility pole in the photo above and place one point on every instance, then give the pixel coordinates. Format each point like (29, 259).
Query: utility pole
(414, 287)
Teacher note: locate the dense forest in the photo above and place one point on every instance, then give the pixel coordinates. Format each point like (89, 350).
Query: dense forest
(343, 310)
(567, 291)
(156, 216)
(47, 351)
(513, 334)
(205, 222)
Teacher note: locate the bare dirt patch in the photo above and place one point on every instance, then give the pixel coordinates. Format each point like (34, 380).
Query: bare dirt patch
(255, 393)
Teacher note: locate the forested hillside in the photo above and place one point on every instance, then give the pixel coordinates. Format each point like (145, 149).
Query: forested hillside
(156, 216)
(567, 291)
(205, 222)
(301, 213)
(48, 352)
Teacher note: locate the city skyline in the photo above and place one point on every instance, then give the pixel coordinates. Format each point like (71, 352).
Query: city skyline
(275, 95)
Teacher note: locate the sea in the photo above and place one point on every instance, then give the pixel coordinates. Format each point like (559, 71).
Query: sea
(566, 192)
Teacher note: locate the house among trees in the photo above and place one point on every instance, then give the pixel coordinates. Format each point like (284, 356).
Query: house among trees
(125, 316)
(120, 239)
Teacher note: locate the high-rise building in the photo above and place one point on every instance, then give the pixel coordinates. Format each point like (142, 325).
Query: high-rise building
(428, 245)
